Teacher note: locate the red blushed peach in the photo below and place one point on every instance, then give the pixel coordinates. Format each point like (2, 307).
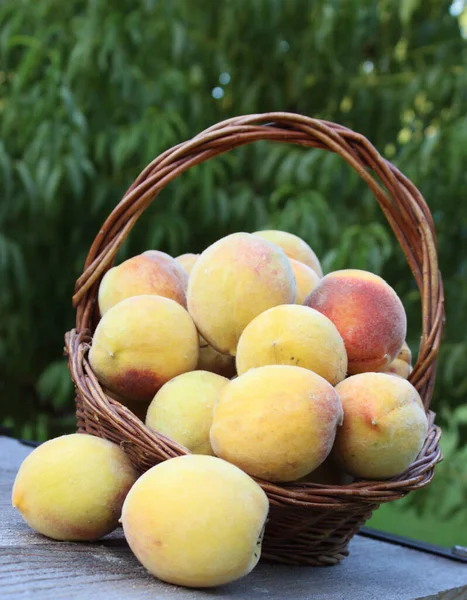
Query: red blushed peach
(153, 272)
(367, 313)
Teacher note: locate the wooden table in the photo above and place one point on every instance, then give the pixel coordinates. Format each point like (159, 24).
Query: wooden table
(32, 566)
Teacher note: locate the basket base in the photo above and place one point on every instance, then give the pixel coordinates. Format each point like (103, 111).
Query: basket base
(320, 537)
(309, 524)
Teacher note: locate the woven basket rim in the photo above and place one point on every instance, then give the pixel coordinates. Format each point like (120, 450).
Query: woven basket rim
(407, 214)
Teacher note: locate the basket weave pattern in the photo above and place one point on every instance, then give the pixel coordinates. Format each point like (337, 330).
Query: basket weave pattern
(308, 523)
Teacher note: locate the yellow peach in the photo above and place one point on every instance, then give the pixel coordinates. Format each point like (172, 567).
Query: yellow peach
(367, 313)
(233, 281)
(182, 409)
(173, 265)
(405, 354)
(73, 487)
(384, 428)
(276, 422)
(293, 335)
(141, 343)
(293, 246)
(399, 367)
(306, 279)
(196, 521)
(150, 273)
(187, 261)
(215, 362)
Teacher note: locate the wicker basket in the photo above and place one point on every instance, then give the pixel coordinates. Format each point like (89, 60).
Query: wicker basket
(309, 523)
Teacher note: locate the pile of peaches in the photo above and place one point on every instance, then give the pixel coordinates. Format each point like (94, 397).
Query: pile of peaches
(258, 365)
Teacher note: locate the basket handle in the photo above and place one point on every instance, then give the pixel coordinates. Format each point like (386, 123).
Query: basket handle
(402, 203)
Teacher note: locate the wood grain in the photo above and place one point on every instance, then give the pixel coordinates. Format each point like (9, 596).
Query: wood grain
(32, 566)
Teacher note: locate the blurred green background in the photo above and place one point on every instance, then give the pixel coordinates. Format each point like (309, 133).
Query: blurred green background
(91, 91)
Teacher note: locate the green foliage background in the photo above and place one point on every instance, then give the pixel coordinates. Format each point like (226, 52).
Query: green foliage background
(91, 91)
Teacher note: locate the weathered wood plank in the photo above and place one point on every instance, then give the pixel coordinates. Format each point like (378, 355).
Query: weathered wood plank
(31, 566)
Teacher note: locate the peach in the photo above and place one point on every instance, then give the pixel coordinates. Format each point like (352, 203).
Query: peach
(152, 272)
(293, 335)
(182, 409)
(196, 521)
(141, 343)
(399, 367)
(405, 354)
(402, 364)
(233, 281)
(384, 428)
(215, 362)
(367, 313)
(73, 487)
(276, 422)
(187, 261)
(162, 257)
(306, 279)
(293, 246)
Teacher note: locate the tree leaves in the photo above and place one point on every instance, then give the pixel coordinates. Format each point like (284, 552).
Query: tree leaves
(407, 9)
(91, 94)
(55, 384)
